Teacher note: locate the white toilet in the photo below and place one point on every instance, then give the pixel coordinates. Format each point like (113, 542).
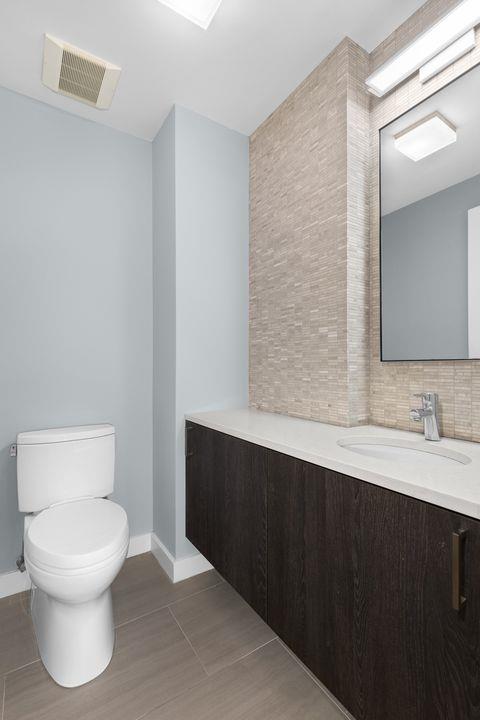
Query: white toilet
(76, 542)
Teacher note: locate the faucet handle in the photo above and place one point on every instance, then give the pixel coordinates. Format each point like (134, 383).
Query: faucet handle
(427, 397)
(424, 397)
(427, 413)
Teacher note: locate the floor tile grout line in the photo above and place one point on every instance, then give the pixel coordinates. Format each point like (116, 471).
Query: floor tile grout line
(200, 682)
(237, 660)
(167, 605)
(187, 597)
(188, 641)
(317, 682)
(22, 667)
(173, 698)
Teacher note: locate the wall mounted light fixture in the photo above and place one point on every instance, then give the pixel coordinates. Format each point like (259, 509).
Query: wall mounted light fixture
(454, 52)
(429, 45)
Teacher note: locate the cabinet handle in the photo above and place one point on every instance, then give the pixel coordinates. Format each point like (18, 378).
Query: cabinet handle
(187, 430)
(458, 545)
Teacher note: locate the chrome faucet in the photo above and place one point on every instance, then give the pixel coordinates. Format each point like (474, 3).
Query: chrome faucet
(427, 413)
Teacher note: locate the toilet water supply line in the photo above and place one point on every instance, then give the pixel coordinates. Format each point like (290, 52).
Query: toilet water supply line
(21, 559)
(20, 562)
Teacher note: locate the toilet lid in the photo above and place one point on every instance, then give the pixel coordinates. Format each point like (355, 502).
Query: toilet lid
(77, 534)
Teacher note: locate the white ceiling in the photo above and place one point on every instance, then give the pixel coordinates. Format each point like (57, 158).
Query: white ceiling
(404, 181)
(237, 72)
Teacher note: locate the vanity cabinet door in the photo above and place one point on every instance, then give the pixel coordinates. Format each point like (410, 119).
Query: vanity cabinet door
(417, 657)
(312, 568)
(360, 588)
(226, 486)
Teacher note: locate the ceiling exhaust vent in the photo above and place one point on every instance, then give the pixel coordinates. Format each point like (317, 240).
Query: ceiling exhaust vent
(79, 75)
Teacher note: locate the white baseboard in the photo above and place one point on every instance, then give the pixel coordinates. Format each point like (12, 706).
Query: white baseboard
(181, 568)
(14, 582)
(139, 544)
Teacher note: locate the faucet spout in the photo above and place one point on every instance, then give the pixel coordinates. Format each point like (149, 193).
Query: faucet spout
(428, 414)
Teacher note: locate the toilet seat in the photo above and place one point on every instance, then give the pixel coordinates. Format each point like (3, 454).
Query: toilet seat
(77, 535)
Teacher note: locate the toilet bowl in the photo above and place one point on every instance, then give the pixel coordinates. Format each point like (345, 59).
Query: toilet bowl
(75, 543)
(73, 552)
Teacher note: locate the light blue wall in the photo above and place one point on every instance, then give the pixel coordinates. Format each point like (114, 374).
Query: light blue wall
(81, 290)
(212, 220)
(425, 276)
(164, 332)
(75, 294)
(211, 176)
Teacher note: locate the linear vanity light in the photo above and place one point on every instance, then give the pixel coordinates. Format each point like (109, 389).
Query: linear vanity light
(200, 12)
(426, 137)
(440, 36)
(456, 50)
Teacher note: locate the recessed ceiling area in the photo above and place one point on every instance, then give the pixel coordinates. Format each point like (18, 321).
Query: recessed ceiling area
(254, 53)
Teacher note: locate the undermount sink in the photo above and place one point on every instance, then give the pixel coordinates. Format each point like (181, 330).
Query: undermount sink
(419, 453)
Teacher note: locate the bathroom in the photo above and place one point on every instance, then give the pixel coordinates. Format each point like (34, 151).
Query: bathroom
(240, 365)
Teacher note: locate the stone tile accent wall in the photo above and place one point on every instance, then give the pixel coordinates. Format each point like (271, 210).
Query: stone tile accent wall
(314, 265)
(358, 233)
(309, 352)
(392, 385)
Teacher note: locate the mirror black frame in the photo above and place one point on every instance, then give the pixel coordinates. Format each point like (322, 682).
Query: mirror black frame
(428, 97)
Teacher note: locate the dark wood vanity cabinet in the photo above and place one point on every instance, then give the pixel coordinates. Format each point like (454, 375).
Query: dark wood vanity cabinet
(226, 505)
(360, 586)
(311, 534)
(424, 653)
(359, 581)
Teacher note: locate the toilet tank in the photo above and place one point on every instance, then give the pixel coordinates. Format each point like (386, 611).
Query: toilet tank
(63, 464)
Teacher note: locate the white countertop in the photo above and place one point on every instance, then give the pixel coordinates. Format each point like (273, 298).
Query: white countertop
(454, 488)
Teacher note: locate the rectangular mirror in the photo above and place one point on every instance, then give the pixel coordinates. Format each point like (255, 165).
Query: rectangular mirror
(430, 227)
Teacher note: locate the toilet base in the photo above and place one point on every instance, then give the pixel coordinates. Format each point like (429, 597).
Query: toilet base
(75, 641)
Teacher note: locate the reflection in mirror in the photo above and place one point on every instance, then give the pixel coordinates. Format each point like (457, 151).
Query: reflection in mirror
(430, 227)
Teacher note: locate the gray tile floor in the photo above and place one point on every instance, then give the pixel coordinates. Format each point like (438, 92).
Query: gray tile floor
(191, 651)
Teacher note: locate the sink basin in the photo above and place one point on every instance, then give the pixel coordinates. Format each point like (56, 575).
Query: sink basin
(411, 452)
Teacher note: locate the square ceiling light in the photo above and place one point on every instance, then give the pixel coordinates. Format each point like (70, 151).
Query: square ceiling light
(200, 12)
(426, 137)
